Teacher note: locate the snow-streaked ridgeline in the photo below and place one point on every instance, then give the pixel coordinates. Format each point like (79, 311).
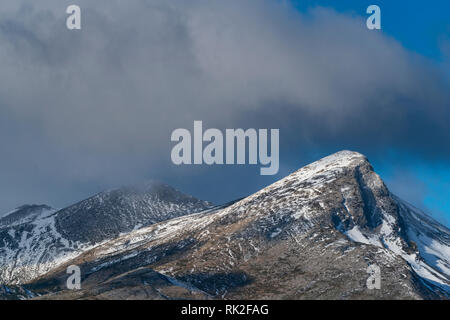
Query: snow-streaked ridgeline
(35, 239)
(309, 235)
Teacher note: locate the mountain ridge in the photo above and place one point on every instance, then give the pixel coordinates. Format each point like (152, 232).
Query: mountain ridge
(36, 239)
(310, 235)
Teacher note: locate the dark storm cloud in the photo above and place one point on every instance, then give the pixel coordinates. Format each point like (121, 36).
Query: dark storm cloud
(82, 110)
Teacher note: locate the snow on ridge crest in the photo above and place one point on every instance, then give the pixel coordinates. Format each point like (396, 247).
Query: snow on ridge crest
(326, 166)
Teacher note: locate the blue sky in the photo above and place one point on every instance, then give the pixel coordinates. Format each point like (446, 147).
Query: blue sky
(422, 183)
(418, 25)
(422, 27)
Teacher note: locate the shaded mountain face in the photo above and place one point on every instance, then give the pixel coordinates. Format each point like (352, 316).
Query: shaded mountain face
(108, 214)
(35, 239)
(23, 214)
(311, 235)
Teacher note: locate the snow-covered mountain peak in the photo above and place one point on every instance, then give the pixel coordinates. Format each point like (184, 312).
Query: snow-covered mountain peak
(39, 238)
(342, 158)
(334, 162)
(158, 191)
(25, 213)
(306, 181)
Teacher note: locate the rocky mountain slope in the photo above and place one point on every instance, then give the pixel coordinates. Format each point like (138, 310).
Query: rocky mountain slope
(311, 235)
(36, 239)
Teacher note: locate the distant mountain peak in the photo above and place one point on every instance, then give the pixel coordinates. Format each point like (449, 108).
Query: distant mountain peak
(34, 207)
(158, 189)
(39, 235)
(28, 211)
(146, 186)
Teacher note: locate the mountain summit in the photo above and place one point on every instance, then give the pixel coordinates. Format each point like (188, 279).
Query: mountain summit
(107, 214)
(36, 239)
(311, 235)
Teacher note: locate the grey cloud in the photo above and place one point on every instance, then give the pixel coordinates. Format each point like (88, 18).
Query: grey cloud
(81, 111)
